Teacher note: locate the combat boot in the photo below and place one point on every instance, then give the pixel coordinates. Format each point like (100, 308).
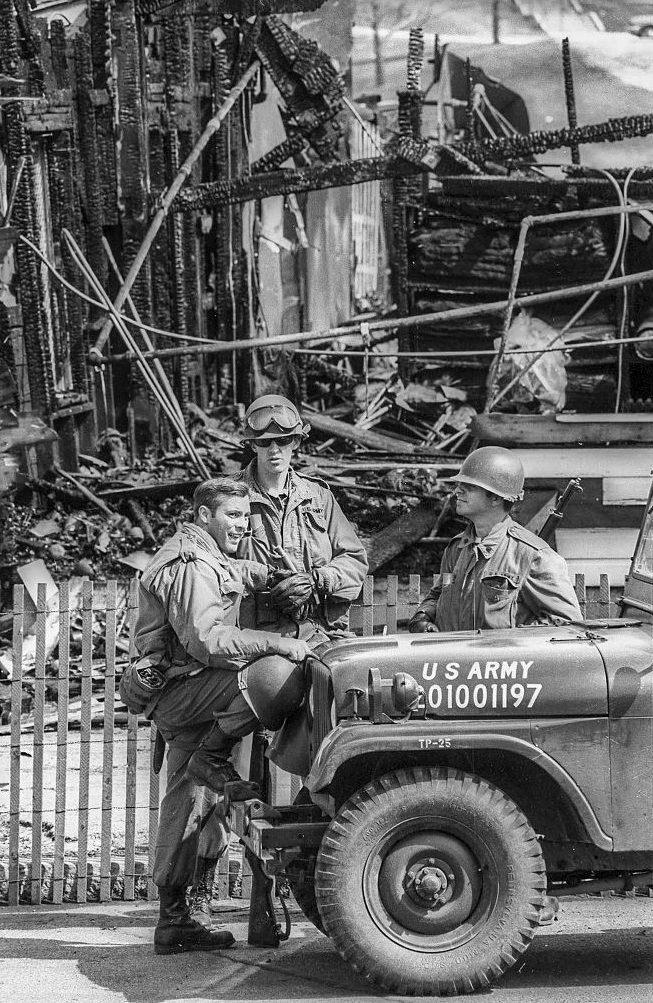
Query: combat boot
(199, 901)
(176, 931)
(210, 766)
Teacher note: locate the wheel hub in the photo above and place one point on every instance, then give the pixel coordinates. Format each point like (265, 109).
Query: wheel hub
(430, 883)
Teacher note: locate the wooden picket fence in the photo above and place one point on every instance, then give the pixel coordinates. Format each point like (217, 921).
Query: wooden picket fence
(114, 800)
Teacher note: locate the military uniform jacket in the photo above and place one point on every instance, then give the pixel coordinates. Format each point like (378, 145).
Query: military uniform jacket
(508, 579)
(189, 599)
(313, 531)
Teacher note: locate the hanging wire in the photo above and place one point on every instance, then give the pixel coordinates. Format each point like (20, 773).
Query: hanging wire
(102, 306)
(624, 305)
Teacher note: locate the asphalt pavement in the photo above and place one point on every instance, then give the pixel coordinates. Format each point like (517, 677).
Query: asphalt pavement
(600, 950)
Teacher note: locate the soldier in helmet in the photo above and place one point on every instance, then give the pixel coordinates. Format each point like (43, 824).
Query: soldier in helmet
(297, 526)
(188, 631)
(498, 573)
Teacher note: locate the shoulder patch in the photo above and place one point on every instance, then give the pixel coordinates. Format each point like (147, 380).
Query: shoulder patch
(525, 536)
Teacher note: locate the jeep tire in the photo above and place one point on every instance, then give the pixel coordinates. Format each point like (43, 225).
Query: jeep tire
(430, 881)
(301, 878)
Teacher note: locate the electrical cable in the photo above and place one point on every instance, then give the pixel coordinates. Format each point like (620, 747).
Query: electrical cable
(101, 306)
(142, 363)
(625, 314)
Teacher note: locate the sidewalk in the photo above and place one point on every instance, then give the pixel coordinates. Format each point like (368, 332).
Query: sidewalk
(104, 954)
(600, 951)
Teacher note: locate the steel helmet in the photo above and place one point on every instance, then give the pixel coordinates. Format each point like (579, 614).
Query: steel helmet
(270, 416)
(274, 688)
(496, 470)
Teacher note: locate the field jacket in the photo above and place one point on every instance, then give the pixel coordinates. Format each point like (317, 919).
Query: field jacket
(508, 579)
(189, 600)
(314, 533)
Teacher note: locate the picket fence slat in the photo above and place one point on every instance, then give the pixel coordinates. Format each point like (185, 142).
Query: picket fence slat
(107, 751)
(376, 610)
(391, 603)
(13, 890)
(37, 744)
(63, 677)
(130, 773)
(85, 740)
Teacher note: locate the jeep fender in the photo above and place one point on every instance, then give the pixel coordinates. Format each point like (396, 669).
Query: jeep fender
(350, 740)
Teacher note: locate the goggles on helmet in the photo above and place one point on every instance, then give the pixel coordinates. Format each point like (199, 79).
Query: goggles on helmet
(279, 414)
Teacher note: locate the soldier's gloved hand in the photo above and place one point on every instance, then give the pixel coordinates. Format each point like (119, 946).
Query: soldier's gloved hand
(276, 575)
(292, 592)
(293, 649)
(421, 624)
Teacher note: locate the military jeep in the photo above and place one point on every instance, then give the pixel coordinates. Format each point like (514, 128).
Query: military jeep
(453, 781)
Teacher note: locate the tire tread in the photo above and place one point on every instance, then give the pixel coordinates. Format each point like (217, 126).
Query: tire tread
(458, 784)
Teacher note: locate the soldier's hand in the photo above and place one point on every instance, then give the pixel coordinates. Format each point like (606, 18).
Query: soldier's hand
(276, 575)
(292, 592)
(421, 624)
(293, 649)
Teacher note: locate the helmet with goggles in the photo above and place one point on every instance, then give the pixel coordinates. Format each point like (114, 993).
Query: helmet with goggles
(272, 416)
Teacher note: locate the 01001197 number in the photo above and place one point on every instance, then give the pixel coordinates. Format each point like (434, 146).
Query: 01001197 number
(483, 696)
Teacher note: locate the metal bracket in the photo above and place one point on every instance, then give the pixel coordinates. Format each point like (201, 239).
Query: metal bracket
(263, 929)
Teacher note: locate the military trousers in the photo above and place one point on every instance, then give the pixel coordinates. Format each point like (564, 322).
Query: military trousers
(191, 821)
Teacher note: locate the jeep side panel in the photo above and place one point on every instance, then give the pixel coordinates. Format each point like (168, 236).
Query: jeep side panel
(628, 657)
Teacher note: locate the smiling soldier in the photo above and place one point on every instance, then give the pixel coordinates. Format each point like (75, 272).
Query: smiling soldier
(500, 574)
(187, 634)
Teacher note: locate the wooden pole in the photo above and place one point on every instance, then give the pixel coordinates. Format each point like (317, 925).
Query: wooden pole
(414, 320)
(149, 344)
(570, 97)
(184, 172)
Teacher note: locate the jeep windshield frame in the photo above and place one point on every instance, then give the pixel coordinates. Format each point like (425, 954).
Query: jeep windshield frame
(638, 591)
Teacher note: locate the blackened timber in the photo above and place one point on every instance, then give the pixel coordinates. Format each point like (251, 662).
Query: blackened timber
(368, 437)
(244, 8)
(540, 141)
(403, 532)
(259, 186)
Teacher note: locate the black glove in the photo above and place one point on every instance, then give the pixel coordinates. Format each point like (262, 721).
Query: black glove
(421, 624)
(293, 592)
(276, 575)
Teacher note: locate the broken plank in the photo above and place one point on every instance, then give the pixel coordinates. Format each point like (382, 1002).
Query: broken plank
(154, 491)
(103, 507)
(366, 437)
(285, 181)
(404, 531)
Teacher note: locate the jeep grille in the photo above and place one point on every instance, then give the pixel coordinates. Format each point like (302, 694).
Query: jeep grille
(320, 702)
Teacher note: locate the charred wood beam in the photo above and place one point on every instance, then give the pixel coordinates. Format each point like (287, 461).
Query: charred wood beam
(244, 8)
(404, 531)
(540, 141)
(455, 187)
(368, 438)
(259, 186)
